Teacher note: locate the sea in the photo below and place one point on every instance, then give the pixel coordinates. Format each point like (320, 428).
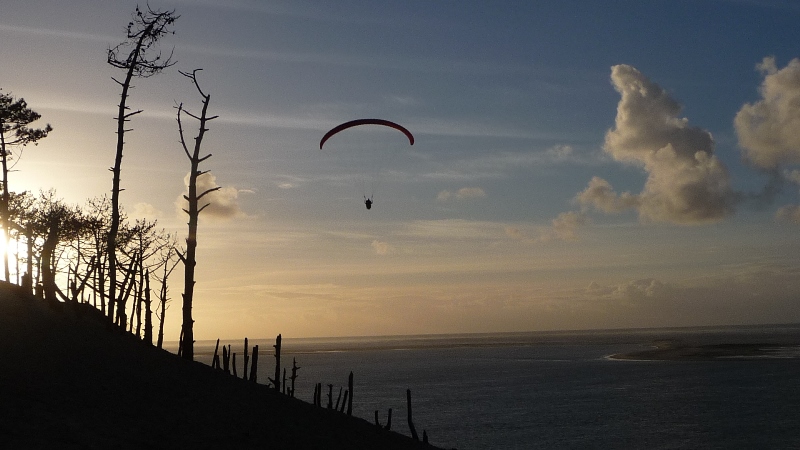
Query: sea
(556, 390)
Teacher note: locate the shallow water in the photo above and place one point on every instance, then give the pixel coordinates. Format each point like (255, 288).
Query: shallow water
(558, 390)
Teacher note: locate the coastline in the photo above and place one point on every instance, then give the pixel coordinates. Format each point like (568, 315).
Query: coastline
(672, 350)
(72, 382)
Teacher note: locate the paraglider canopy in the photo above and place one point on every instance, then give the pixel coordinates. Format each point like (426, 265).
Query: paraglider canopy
(368, 200)
(357, 122)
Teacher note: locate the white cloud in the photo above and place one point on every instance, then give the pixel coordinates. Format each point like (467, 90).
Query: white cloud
(754, 294)
(464, 193)
(145, 210)
(601, 195)
(470, 192)
(686, 183)
(767, 129)
(444, 196)
(562, 228)
(381, 248)
(222, 203)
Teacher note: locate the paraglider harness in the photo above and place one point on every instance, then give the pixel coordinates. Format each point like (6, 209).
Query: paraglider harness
(368, 202)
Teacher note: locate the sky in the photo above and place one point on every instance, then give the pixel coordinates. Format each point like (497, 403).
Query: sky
(576, 165)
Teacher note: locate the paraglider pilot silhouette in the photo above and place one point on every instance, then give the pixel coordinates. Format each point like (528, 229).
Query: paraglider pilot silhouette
(353, 123)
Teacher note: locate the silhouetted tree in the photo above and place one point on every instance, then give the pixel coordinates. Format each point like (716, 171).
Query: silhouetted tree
(53, 225)
(20, 207)
(15, 116)
(138, 56)
(168, 261)
(97, 222)
(194, 209)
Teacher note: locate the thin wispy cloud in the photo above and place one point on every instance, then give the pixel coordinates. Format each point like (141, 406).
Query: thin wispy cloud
(500, 164)
(465, 193)
(60, 34)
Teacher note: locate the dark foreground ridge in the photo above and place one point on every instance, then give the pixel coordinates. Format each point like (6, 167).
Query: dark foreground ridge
(68, 381)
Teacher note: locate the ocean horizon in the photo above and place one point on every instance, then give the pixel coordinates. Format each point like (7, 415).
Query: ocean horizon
(554, 389)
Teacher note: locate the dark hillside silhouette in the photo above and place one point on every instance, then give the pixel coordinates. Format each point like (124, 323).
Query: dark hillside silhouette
(71, 382)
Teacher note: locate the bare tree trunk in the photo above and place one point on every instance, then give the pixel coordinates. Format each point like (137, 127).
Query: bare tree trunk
(194, 209)
(125, 293)
(246, 360)
(29, 241)
(410, 419)
(350, 389)
(4, 199)
(148, 312)
(295, 368)
(140, 296)
(48, 274)
(254, 365)
(277, 380)
(144, 31)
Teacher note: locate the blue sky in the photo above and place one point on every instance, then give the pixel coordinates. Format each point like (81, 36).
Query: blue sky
(577, 164)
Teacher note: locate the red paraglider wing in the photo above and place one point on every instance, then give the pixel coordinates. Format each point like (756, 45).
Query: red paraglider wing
(357, 122)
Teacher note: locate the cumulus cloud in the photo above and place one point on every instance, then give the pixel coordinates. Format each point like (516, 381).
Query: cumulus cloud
(686, 183)
(601, 195)
(562, 228)
(145, 210)
(222, 203)
(789, 213)
(767, 129)
(743, 294)
(381, 248)
(462, 194)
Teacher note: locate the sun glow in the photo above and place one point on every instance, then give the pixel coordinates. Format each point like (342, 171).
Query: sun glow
(10, 247)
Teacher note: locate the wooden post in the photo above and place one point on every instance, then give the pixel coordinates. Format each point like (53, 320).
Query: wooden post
(389, 421)
(277, 380)
(180, 343)
(215, 361)
(254, 365)
(284, 381)
(410, 420)
(377, 424)
(330, 396)
(346, 393)
(350, 389)
(226, 359)
(295, 368)
(338, 399)
(246, 360)
(234, 365)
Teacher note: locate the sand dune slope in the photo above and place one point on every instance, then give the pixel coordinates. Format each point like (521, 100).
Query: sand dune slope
(67, 381)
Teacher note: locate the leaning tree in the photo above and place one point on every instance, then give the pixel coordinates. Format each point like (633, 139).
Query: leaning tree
(15, 116)
(139, 57)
